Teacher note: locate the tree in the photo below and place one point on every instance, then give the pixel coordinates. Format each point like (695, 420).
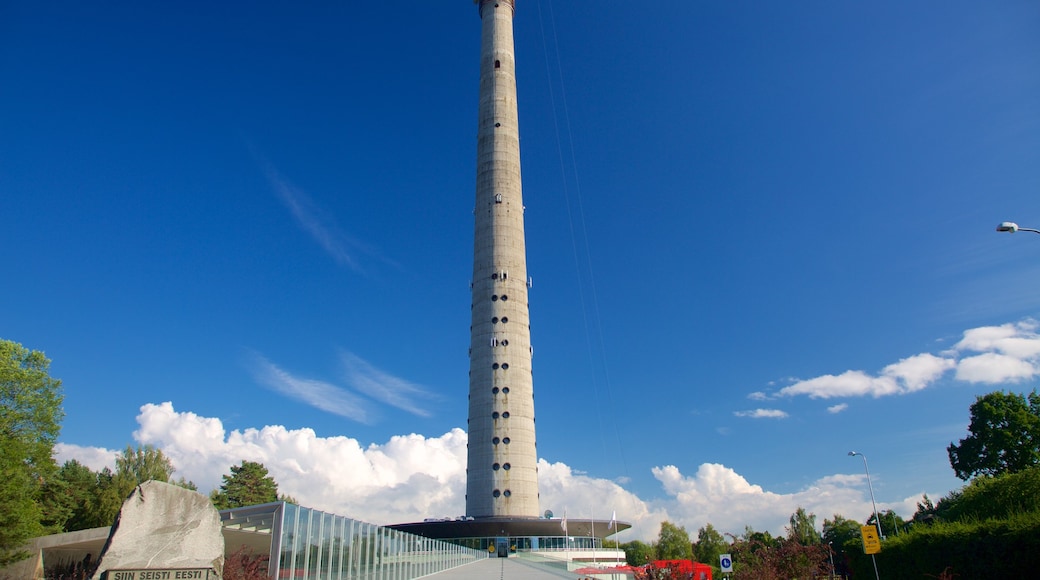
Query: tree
(79, 483)
(710, 545)
(673, 543)
(637, 553)
(30, 418)
(144, 464)
(803, 528)
(891, 523)
(925, 513)
(1004, 436)
(837, 534)
(248, 484)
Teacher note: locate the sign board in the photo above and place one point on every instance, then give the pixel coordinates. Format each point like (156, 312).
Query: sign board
(871, 542)
(171, 574)
(726, 562)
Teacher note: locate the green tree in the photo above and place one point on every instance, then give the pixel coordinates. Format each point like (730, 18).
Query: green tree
(925, 513)
(134, 466)
(710, 545)
(891, 523)
(146, 463)
(1004, 436)
(637, 553)
(248, 484)
(673, 543)
(802, 528)
(837, 534)
(79, 484)
(30, 418)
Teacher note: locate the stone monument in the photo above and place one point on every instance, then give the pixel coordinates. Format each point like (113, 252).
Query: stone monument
(164, 532)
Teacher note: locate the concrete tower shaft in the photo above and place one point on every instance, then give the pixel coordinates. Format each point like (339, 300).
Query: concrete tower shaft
(502, 475)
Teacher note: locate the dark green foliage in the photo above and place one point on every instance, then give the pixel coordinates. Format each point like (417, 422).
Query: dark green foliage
(637, 553)
(673, 543)
(802, 528)
(144, 464)
(1007, 548)
(79, 483)
(993, 497)
(94, 498)
(30, 417)
(1004, 436)
(837, 534)
(248, 484)
(710, 545)
(891, 523)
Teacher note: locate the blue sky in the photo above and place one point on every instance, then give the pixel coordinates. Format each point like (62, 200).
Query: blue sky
(760, 235)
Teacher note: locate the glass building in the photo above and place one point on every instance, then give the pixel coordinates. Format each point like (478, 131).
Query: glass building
(304, 543)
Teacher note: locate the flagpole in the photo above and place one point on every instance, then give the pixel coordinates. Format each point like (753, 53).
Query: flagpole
(617, 543)
(592, 523)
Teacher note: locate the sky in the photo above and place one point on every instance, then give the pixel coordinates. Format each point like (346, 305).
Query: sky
(760, 235)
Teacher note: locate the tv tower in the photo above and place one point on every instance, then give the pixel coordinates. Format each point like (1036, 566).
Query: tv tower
(502, 503)
(502, 478)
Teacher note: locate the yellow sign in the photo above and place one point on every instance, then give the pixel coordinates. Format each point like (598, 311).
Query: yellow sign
(871, 542)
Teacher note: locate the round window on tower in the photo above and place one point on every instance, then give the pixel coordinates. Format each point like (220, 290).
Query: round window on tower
(506, 466)
(505, 366)
(506, 441)
(496, 493)
(495, 467)
(494, 415)
(494, 366)
(494, 391)
(505, 415)
(494, 297)
(494, 440)
(504, 320)
(507, 493)
(505, 390)
(495, 320)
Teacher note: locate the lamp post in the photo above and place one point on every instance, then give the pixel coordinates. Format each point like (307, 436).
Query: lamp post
(877, 520)
(1012, 227)
(830, 553)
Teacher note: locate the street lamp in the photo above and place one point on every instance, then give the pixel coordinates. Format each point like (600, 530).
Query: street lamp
(877, 519)
(1012, 227)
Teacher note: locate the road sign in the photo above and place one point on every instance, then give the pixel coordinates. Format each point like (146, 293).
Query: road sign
(726, 563)
(871, 542)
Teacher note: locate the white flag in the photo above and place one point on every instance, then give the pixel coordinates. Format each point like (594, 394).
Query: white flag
(613, 520)
(563, 524)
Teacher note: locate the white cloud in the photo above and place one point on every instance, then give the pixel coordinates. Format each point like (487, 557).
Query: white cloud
(382, 386)
(993, 368)
(834, 409)
(320, 227)
(719, 495)
(1017, 340)
(762, 414)
(847, 384)
(411, 477)
(95, 458)
(758, 396)
(987, 354)
(917, 372)
(407, 477)
(318, 394)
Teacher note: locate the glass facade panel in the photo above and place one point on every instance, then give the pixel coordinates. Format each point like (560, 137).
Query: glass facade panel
(308, 544)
